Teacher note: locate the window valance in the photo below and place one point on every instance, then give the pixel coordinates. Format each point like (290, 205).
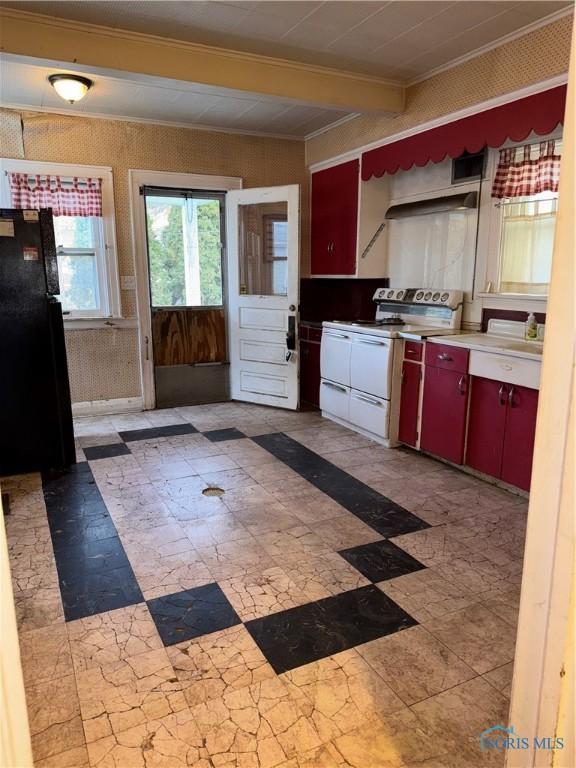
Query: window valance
(519, 173)
(540, 113)
(66, 197)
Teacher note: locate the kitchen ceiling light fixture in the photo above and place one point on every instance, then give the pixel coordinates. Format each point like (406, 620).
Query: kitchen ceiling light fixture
(71, 88)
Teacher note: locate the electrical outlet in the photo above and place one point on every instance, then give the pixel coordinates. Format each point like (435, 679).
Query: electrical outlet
(128, 282)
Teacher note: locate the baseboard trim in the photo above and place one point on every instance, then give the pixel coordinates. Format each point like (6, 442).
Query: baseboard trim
(106, 407)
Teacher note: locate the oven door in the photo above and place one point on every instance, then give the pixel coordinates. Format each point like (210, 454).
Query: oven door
(371, 364)
(335, 355)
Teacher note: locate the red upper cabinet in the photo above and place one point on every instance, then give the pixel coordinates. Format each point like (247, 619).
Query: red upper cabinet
(334, 222)
(519, 436)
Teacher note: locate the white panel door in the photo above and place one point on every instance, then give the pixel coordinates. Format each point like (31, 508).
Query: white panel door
(263, 236)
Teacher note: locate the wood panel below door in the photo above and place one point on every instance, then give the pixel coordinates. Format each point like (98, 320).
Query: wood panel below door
(187, 336)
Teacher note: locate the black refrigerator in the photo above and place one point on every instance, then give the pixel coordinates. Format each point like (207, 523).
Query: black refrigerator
(36, 429)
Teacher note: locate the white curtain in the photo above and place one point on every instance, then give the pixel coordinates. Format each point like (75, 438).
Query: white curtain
(527, 243)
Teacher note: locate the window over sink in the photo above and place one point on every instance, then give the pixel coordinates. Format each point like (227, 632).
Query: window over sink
(525, 187)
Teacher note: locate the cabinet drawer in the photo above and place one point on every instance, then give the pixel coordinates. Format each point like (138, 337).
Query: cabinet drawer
(335, 399)
(447, 357)
(303, 331)
(413, 350)
(315, 334)
(506, 368)
(369, 413)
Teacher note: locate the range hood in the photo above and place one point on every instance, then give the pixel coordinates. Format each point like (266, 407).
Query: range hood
(461, 202)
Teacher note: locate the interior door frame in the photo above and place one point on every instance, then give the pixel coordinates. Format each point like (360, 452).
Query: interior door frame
(136, 179)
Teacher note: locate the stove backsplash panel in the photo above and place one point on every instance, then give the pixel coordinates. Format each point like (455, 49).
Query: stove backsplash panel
(325, 298)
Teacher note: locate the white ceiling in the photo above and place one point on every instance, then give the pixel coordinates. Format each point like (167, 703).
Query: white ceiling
(23, 83)
(400, 39)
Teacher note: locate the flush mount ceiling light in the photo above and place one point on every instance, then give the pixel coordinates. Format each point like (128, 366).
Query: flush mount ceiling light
(70, 87)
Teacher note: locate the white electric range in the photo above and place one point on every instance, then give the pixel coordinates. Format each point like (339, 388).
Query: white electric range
(361, 360)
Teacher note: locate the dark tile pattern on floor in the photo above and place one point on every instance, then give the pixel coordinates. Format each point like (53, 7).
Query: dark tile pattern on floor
(94, 452)
(316, 630)
(93, 571)
(219, 435)
(152, 433)
(192, 613)
(381, 560)
(374, 509)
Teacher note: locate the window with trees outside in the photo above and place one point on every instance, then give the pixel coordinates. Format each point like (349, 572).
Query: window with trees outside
(185, 240)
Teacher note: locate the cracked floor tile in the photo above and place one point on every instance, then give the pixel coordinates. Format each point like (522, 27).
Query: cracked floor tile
(212, 665)
(159, 576)
(260, 725)
(172, 741)
(339, 693)
(260, 594)
(45, 654)
(415, 664)
(129, 692)
(54, 717)
(111, 636)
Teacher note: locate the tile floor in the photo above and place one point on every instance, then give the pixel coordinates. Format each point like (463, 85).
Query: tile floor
(336, 604)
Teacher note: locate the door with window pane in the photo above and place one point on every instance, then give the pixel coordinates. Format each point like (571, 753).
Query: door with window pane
(185, 241)
(263, 289)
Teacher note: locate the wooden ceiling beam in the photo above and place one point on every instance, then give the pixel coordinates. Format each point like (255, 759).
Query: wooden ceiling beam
(90, 45)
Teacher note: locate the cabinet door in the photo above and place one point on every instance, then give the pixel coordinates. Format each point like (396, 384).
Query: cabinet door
(410, 395)
(310, 372)
(334, 212)
(444, 413)
(486, 423)
(519, 436)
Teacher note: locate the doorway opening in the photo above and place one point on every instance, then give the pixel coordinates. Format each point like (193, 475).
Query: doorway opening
(185, 245)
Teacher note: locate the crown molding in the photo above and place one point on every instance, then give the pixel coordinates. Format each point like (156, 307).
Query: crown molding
(150, 121)
(522, 32)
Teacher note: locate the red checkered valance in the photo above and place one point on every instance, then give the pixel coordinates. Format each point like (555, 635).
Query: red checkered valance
(66, 197)
(519, 173)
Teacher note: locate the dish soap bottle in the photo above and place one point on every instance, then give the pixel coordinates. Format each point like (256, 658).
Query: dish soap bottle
(531, 328)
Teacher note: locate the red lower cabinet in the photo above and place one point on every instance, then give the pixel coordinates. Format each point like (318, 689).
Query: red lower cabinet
(310, 372)
(519, 436)
(444, 405)
(410, 395)
(486, 425)
(501, 430)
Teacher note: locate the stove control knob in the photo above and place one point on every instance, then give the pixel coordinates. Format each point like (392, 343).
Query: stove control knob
(419, 295)
(444, 298)
(390, 294)
(400, 295)
(436, 296)
(381, 293)
(427, 296)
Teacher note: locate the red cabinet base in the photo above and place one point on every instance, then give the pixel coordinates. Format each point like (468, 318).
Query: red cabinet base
(444, 413)
(410, 396)
(501, 430)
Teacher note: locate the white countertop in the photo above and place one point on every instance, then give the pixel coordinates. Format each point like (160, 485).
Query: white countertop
(500, 345)
(406, 331)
